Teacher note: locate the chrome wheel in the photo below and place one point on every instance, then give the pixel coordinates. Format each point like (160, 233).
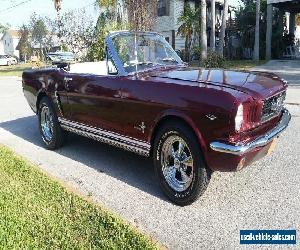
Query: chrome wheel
(47, 124)
(177, 163)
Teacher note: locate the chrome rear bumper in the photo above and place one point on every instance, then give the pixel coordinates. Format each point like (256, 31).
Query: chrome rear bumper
(258, 142)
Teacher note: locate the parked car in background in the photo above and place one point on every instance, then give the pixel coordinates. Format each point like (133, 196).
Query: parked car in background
(7, 60)
(58, 57)
(12, 59)
(143, 98)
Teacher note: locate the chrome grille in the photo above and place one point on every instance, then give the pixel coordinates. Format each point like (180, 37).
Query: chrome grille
(273, 106)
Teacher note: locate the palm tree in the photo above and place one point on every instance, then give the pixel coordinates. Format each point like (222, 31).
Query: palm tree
(188, 20)
(256, 42)
(110, 6)
(213, 26)
(57, 6)
(203, 31)
(223, 28)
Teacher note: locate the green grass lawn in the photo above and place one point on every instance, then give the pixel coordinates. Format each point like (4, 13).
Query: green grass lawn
(238, 64)
(37, 212)
(243, 64)
(14, 70)
(17, 70)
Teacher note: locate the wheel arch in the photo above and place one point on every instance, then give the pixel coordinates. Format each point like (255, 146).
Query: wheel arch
(39, 97)
(181, 118)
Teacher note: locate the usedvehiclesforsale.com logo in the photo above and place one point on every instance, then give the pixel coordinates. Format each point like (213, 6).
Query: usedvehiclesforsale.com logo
(267, 236)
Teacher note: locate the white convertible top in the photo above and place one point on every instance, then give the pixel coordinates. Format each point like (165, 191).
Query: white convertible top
(96, 68)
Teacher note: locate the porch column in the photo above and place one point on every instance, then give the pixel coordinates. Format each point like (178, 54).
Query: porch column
(269, 31)
(292, 23)
(281, 24)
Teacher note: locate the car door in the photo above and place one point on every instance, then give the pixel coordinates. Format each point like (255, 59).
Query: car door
(94, 100)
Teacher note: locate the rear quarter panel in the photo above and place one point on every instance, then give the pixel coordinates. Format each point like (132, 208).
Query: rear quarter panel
(34, 82)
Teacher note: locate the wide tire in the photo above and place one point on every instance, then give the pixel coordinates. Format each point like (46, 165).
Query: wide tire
(179, 164)
(51, 132)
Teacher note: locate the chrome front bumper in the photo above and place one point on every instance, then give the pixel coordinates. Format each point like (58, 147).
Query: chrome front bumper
(258, 142)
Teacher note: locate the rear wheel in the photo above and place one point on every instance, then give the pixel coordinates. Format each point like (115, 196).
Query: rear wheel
(51, 132)
(179, 164)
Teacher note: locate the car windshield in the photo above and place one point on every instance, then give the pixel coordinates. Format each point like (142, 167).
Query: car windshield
(141, 51)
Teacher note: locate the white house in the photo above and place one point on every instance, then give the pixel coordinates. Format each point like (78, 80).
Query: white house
(1, 45)
(167, 21)
(8, 43)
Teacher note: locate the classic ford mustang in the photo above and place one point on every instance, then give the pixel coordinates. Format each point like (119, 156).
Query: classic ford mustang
(144, 99)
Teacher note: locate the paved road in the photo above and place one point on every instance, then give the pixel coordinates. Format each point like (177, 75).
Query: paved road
(265, 195)
(290, 71)
(287, 69)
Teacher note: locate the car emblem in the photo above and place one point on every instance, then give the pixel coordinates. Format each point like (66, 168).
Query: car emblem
(141, 127)
(276, 104)
(211, 117)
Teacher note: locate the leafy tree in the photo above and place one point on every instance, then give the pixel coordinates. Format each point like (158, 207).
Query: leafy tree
(4, 27)
(96, 51)
(246, 20)
(24, 44)
(298, 19)
(109, 7)
(39, 32)
(141, 13)
(189, 24)
(77, 31)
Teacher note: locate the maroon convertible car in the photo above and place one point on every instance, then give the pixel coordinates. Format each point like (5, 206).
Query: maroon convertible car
(144, 99)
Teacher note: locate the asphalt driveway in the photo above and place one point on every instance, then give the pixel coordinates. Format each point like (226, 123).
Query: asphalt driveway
(265, 195)
(287, 69)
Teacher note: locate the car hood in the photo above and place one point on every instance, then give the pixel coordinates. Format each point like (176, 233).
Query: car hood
(260, 84)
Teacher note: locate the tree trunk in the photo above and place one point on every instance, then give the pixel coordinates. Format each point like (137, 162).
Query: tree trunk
(256, 43)
(213, 26)
(203, 31)
(269, 31)
(223, 28)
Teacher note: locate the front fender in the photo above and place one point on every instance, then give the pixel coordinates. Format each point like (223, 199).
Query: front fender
(171, 113)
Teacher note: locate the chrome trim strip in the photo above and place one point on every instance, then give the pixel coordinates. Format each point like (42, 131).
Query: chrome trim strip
(259, 142)
(112, 138)
(103, 139)
(106, 133)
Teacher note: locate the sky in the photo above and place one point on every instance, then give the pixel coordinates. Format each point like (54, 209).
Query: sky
(21, 14)
(16, 16)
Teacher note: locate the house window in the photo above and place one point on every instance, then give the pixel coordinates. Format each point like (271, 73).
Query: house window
(167, 39)
(163, 8)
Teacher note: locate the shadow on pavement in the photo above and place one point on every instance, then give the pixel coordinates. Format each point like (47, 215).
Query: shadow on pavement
(130, 168)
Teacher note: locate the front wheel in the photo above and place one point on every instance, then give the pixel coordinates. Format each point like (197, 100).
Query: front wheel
(179, 164)
(51, 132)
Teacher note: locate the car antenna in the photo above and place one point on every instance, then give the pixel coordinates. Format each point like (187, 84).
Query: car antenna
(136, 54)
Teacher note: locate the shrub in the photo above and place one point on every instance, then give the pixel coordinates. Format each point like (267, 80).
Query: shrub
(214, 60)
(197, 53)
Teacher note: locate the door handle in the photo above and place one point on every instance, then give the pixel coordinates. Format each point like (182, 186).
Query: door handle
(118, 94)
(66, 81)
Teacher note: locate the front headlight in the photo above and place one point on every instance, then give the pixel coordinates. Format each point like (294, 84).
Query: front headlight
(239, 118)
